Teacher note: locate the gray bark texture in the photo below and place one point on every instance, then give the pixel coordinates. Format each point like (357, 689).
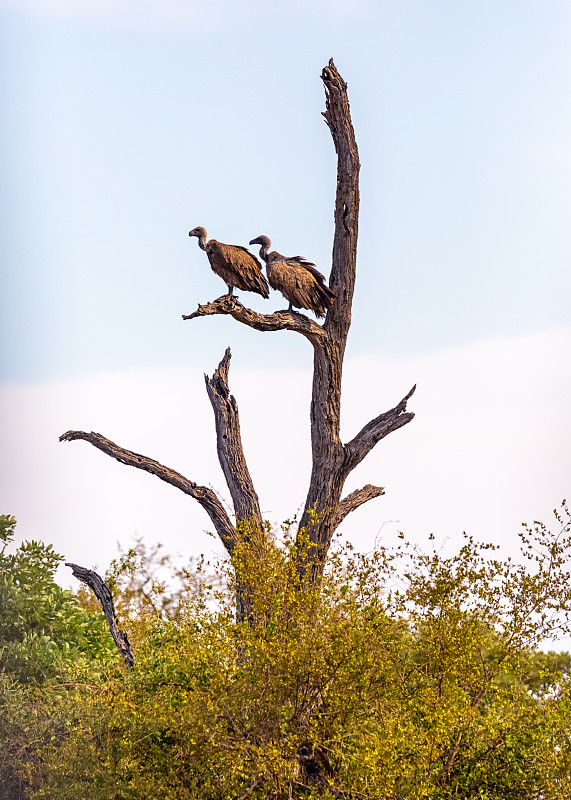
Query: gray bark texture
(229, 445)
(332, 461)
(103, 594)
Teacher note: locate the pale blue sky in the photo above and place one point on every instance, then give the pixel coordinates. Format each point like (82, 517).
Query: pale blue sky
(124, 125)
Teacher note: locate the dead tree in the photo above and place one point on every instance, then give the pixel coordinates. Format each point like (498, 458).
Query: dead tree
(332, 461)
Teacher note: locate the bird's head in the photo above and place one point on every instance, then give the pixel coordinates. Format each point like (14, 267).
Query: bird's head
(200, 232)
(264, 241)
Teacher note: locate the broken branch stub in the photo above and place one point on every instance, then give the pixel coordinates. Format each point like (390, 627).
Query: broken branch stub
(229, 445)
(103, 594)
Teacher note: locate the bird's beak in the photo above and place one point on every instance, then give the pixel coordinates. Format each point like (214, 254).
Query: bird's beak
(254, 241)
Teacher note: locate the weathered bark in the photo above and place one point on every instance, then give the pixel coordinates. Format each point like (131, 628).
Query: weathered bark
(103, 594)
(354, 500)
(278, 321)
(377, 429)
(328, 468)
(229, 446)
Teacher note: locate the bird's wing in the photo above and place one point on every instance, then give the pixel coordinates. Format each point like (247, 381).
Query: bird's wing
(296, 261)
(247, 252)
(240, 267)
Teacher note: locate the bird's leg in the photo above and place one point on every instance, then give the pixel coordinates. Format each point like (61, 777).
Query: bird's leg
(230, 290)
(289, 310)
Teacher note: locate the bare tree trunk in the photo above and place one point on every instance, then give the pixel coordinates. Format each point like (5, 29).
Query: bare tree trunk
(332, 461)
(324, 509)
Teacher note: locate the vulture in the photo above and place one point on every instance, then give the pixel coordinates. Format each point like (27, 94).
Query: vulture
(297, 279)
(234, 264)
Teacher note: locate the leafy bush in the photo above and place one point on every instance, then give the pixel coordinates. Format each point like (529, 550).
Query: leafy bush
(408, 675)
(46, 640)
(42, 628)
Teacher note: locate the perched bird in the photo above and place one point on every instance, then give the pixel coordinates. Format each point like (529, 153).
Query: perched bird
(234, 264)
(302, 285)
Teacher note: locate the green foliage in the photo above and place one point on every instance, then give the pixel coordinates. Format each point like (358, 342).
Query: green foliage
(406, 675)
(42, 628)
(46, 640)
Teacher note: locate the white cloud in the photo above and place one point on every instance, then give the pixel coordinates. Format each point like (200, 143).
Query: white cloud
(489, 448)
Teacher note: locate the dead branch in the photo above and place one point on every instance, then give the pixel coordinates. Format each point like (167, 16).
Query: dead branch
(356, 499)
(344, 261)
(229, 445)
(103, 594)
(202, 494)
(278, 321)
(377, 429)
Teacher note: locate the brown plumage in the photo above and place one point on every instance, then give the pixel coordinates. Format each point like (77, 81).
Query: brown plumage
(302, 285)
(234, 264)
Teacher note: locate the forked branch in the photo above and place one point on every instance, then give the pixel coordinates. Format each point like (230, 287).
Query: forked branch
(278, 321)
(202, 494)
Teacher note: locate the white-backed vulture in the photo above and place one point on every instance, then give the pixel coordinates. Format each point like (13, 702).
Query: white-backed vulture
(234, 264)
(302, 285)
